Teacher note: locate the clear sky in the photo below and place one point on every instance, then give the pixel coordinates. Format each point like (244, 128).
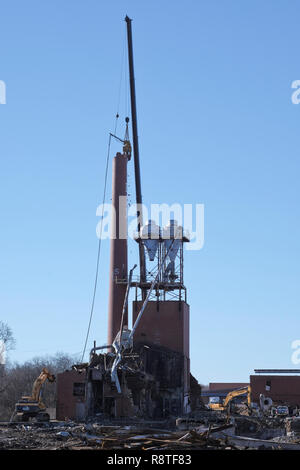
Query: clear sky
(217, 126)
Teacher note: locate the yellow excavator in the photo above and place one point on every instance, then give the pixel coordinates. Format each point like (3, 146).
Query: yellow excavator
(225, 406)
(32, 406)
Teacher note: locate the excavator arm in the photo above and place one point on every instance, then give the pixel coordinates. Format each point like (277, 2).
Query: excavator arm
(231, 395)
(44, 375)
(236, 393)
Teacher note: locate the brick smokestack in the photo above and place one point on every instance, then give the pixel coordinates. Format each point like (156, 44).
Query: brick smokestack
(118, 247)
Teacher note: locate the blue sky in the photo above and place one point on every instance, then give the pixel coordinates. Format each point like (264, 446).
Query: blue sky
(217, 126)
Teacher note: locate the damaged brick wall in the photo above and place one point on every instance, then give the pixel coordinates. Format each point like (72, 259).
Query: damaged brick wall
(70, 390)
(152, 383)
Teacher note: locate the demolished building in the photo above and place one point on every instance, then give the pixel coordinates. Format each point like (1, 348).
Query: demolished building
(143, 371)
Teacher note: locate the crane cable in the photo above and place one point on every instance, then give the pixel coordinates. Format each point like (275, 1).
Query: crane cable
(99, 248)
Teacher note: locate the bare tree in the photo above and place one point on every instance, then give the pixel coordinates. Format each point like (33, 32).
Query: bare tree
(20, 378)
(16, 380)
(6, 336)
(7, 342)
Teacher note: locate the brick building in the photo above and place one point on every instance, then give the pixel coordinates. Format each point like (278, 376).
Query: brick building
(70, 392)
(283, 389)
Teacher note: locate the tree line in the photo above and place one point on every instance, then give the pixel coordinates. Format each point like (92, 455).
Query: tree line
(16, 380)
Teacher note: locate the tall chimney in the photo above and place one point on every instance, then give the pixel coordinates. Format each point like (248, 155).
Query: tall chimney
(118, 247)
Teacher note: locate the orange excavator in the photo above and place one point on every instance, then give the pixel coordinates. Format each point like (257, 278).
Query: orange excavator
(231, 395)
(32, 406)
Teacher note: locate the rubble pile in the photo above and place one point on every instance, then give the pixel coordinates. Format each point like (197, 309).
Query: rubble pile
(201, 418)
(292, 425)
(71, 436)
(200, 431)
(260, 427)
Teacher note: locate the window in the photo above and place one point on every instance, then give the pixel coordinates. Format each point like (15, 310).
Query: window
(78, 389)
(268, 385)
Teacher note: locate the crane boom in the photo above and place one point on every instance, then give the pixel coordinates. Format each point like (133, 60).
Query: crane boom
(136, 154)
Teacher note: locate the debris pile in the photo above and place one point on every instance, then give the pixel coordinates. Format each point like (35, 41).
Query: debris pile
(238, 433)
(292, 425)
(260, 427)
(71, 436)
